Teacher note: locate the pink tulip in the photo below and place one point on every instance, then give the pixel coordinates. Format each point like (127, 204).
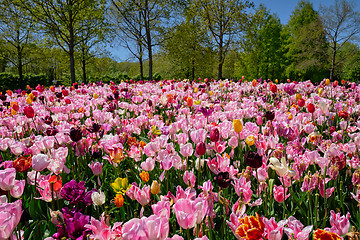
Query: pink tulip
(100, 230)
(140, 195)
(153, 227)
(96, 168)
(279, 193)
(148, 165)
(188, 212)
(186, 150)
(10, 214)
(18, 188)
(274, 230)
(198, 135)
(17, 148)
(161, 209)
(189, 178)
(40, 162)
(7, 178)
(295, 229)
(339, 224)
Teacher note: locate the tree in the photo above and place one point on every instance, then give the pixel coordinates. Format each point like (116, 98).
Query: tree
(146, 21)
(263, 54)
(225, 19)
(188, 48)
(307, 45)
(343, 26)
(129, 28)
(65, 21)
(95, 32)
(17, 33)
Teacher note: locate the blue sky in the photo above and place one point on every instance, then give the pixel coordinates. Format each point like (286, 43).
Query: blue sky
(282, 8)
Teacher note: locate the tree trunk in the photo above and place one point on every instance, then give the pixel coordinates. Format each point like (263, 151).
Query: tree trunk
(332, 70)
(193, 69)
(141, 68)
(20, 69)
(71, 48)
(19, 59)
(221, 60)
(148, 39)
(83, 62)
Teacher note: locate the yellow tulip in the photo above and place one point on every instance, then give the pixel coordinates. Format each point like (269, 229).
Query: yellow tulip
(95, 95)
(277, 81)
(196, 90)
(211, 93)
(13, 112)
(197, 102)
(298, 97)
(250, 140)
(221, 85)
(155, 187)
(155, 131)
(290, 116)
(140, 93)
(327, 82)
(120, 185)
(238, 127)
(32, 96)
(28, 100)
(320, 91)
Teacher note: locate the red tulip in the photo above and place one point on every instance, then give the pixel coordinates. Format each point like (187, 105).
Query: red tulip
(311, 108)
(273, 88)
(29, 111)
(301, 102)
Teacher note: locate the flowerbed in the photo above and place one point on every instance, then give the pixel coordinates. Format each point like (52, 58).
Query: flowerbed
(181, 160)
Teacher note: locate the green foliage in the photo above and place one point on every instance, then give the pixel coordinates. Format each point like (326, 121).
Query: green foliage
(11, 81)
(263, 46)
(307, 45)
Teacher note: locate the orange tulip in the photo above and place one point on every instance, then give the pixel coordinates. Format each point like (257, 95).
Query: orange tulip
(119, 200)
(22, 164)
(251, 227)
(321, 234)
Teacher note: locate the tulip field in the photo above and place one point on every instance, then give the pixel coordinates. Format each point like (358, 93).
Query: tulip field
(180, 159)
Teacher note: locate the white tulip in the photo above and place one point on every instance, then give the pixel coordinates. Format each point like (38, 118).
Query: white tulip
(281, 168)
(98, 198)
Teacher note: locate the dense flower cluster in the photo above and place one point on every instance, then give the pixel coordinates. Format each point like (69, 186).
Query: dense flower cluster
(181, 160)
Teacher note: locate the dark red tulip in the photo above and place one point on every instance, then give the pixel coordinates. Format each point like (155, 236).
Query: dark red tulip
(253, 159)
(200, 149)
(214, 135)
(75, 134)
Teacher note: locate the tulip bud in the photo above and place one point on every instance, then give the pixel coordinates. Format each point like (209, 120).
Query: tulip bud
(29, 112)
(214, 135)
(310, 107)
(189, 101)
(301, 102)
(273, 88)
(40, 162)
(250, 140)
(119, 200)
(200, 149)
(238, 127)
(327, 81)
(155, 187)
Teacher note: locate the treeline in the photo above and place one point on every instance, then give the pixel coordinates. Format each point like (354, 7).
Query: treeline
(65, 41)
